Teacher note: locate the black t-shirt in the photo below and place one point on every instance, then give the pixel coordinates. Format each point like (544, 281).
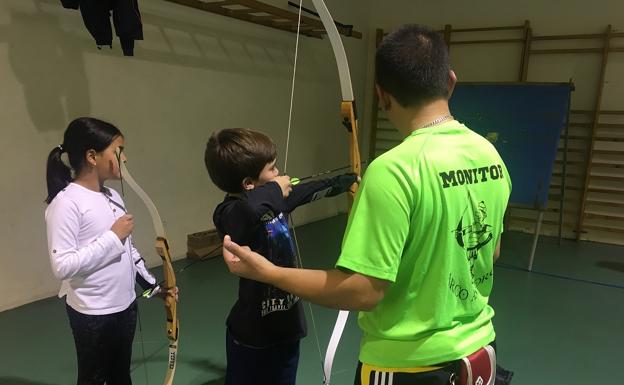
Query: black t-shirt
(264, 315)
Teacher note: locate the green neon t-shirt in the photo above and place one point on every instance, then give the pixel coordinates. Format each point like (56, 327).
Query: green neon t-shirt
(428, 217)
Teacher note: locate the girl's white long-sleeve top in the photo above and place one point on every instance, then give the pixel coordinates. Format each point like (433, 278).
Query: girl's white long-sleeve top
(98, 270)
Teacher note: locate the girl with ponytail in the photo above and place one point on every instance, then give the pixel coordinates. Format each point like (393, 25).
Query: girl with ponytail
(91, 250)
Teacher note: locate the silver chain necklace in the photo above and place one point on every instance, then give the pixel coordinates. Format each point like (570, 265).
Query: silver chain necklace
(438, 120)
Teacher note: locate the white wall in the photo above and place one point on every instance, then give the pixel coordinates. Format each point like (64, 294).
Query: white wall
(195, 72)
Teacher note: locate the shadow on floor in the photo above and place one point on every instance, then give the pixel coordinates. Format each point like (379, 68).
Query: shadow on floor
(615, 266)
(20, 381)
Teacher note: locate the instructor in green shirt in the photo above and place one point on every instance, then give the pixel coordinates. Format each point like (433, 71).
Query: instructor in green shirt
(418, 252)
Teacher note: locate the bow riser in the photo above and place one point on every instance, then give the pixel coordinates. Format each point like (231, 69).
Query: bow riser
(162, 248)
(349, 117)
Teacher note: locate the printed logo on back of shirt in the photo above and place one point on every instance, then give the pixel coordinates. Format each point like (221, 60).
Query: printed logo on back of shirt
(472, 233)
(462, 177)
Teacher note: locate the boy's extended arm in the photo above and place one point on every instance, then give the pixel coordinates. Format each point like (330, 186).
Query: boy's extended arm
(310, 191)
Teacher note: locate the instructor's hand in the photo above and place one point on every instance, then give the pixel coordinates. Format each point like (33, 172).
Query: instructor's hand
(245, 263)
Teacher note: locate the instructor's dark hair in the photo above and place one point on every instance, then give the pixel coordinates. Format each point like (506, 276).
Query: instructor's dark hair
(412, 65)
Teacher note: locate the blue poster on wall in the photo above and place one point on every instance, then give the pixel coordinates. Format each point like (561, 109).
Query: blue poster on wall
(524, 121)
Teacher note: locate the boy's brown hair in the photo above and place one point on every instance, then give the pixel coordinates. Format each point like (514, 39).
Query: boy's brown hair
(233, 154)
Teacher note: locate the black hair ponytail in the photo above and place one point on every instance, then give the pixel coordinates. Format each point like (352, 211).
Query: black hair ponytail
(81, 135)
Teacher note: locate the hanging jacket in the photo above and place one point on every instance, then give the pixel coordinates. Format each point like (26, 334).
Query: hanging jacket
(71, 4)
(96, 16)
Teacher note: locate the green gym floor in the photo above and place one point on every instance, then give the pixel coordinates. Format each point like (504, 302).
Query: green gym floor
(561, 324)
